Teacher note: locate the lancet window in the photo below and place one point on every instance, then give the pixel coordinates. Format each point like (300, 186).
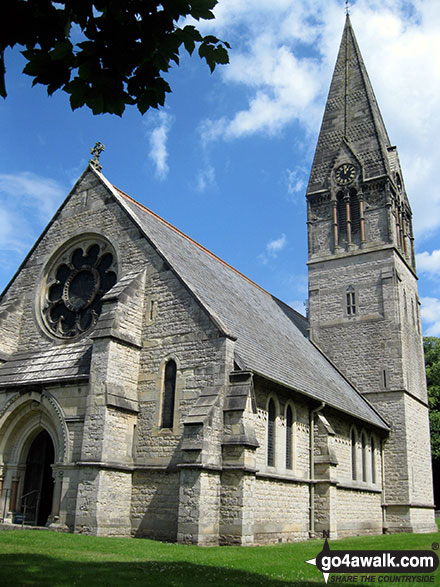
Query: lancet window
(353, 441)
(271, 434)
(373, 459)
(289, 438)
(350, 297)
(169, 393)
(364, 447)
(349, 218)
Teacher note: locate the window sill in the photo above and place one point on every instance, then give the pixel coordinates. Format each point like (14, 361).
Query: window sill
(359, 486)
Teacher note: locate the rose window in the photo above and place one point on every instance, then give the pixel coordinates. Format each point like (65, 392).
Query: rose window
(75, 286)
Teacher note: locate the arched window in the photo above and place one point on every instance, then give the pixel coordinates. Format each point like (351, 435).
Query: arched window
(289, 438)
(271, 434)
(353, 454)
(168, 395)
(355, 215)
(364, 456)
(341, 209)
(348, 211)
(373, 459)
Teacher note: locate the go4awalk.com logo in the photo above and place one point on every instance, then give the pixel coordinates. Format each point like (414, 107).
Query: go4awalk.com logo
(376, 566)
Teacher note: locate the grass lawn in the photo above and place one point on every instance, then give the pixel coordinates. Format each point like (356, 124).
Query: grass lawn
(31, 557)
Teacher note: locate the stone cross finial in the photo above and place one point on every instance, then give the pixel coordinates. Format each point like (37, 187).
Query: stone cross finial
(96, 152)
(347, 7)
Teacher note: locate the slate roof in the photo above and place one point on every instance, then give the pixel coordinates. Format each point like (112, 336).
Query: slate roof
(271, 338)
(62, 363)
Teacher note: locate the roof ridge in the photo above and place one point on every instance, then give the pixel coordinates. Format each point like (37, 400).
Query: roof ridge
(201, 247)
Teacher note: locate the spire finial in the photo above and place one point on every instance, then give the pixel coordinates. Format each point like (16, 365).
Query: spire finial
(96, 152)
(347, 7)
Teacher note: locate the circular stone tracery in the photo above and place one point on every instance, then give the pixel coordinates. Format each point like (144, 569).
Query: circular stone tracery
(75, 286)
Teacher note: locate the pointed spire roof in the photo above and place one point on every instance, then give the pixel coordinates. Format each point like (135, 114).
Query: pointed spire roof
(352, 118)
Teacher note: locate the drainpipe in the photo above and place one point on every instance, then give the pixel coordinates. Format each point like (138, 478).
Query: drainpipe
(383, 499)
(312, 467)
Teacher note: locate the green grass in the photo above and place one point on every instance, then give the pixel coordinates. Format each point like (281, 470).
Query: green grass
(29, 557)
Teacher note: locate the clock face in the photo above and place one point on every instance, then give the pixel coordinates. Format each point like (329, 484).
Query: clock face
(345, 174)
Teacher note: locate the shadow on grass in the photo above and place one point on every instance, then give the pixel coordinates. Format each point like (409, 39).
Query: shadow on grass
(34, 569)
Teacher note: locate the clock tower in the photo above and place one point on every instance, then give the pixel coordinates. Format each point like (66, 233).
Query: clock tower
(363, 302)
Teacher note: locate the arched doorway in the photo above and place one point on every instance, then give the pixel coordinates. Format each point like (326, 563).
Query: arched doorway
(36, 501)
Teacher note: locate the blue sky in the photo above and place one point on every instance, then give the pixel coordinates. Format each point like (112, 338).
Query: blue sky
(227, 160)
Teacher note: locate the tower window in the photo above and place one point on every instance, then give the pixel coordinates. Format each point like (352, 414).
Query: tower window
(271, 434)
(348, 217)
(350, 297)
(169, 395)
(355, 213)
(341, 209)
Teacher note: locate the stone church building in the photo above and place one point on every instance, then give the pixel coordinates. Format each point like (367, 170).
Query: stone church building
(147, 388)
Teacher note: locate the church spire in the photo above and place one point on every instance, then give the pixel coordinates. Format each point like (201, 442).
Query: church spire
(363, 301)
(352, 120)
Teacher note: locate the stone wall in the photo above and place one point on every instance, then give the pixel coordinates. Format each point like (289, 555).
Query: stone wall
(368, 343)
(155, 504)
(280, 511)
(358, 512)
(199, 507)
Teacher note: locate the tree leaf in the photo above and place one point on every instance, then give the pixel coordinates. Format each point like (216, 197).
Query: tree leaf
(114, 51)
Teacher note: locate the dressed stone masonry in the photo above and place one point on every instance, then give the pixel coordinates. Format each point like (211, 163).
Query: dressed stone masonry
(147, 388)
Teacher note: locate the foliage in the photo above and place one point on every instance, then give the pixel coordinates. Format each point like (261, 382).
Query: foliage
(44, 558)
(432, 362)
(106, 54)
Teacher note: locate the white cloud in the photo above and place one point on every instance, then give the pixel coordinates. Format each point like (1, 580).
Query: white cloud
(431, 316)
(205, 178)
(273, 248)
(429, 263)
(283, 84)
(30, 190)
(11, 239)
(401, 54)
(296, 182)
(157, 139)
(283, 87)
(27, 200)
